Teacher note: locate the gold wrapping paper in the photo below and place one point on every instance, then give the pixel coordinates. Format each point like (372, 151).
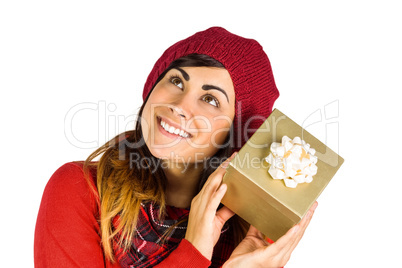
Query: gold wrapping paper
(266, 203)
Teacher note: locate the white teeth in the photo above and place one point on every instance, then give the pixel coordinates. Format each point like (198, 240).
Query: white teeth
(173, 130)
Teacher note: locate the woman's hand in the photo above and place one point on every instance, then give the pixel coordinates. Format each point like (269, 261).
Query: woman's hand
(254, 251)
(205, 223)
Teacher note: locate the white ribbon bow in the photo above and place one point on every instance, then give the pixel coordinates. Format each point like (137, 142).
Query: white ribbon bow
(292, 161)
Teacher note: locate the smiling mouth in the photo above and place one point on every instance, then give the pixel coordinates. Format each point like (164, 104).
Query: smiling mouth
(172, 130)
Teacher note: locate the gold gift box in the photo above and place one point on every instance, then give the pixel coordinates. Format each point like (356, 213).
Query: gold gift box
(264, 202)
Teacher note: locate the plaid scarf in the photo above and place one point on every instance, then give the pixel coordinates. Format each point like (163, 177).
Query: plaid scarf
(147, 248)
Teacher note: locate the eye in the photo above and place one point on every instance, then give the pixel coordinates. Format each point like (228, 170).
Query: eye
(176, 81)
(211, 100)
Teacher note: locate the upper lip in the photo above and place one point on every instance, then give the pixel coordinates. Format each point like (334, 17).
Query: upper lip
(173, 124)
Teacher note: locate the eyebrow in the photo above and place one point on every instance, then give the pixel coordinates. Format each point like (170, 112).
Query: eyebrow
(209, 87)
(204, 87)
(183, 73)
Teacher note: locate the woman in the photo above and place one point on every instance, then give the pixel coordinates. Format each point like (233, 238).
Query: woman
(203, 98)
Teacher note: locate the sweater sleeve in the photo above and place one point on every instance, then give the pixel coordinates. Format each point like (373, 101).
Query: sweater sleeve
(185, 256)
(67, 230)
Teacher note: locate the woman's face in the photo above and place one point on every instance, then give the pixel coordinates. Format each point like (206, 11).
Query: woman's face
(189, 113)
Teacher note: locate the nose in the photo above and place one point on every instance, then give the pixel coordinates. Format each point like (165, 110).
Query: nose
(178, 111)
(181, 107)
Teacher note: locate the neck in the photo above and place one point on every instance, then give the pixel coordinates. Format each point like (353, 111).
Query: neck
(183, 181)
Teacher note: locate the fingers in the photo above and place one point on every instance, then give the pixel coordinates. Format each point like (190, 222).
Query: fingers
(219, 172)
(213, 191)
(224, 214)
(205, 222)
(303, 225)
(302, 228)
(252, 231)
(225, 164)
(214, 187)
(217, 197)
(273, 255)
(287, 243)
(215, 179)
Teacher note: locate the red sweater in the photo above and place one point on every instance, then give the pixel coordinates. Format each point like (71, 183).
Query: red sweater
(67, 228)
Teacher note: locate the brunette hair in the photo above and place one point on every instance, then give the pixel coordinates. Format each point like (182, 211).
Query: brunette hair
(122, 187)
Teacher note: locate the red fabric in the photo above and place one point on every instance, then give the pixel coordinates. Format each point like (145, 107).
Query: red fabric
(146, 250)
(249, 68)
(146, 253)
(193, 259)
(67, 229)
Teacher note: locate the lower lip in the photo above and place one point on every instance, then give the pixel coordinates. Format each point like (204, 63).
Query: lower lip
(167, 134)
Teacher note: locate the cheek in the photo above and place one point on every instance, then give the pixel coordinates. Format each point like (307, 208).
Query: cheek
(153, 100)
(145, 120)
(220, 132)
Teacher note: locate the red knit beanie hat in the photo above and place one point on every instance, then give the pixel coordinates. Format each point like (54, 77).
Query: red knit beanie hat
(248, 66)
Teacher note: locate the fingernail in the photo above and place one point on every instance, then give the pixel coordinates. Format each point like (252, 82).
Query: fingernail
(296, 228)
(308, 215)
(225, 164)
(222, 187)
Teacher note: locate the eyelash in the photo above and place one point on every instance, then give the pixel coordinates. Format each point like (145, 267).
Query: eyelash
(172, 77)
(215, 99)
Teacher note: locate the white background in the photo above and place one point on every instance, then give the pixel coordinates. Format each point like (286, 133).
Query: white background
(347, 55)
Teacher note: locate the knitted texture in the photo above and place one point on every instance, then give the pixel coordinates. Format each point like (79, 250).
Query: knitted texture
(248, 66)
